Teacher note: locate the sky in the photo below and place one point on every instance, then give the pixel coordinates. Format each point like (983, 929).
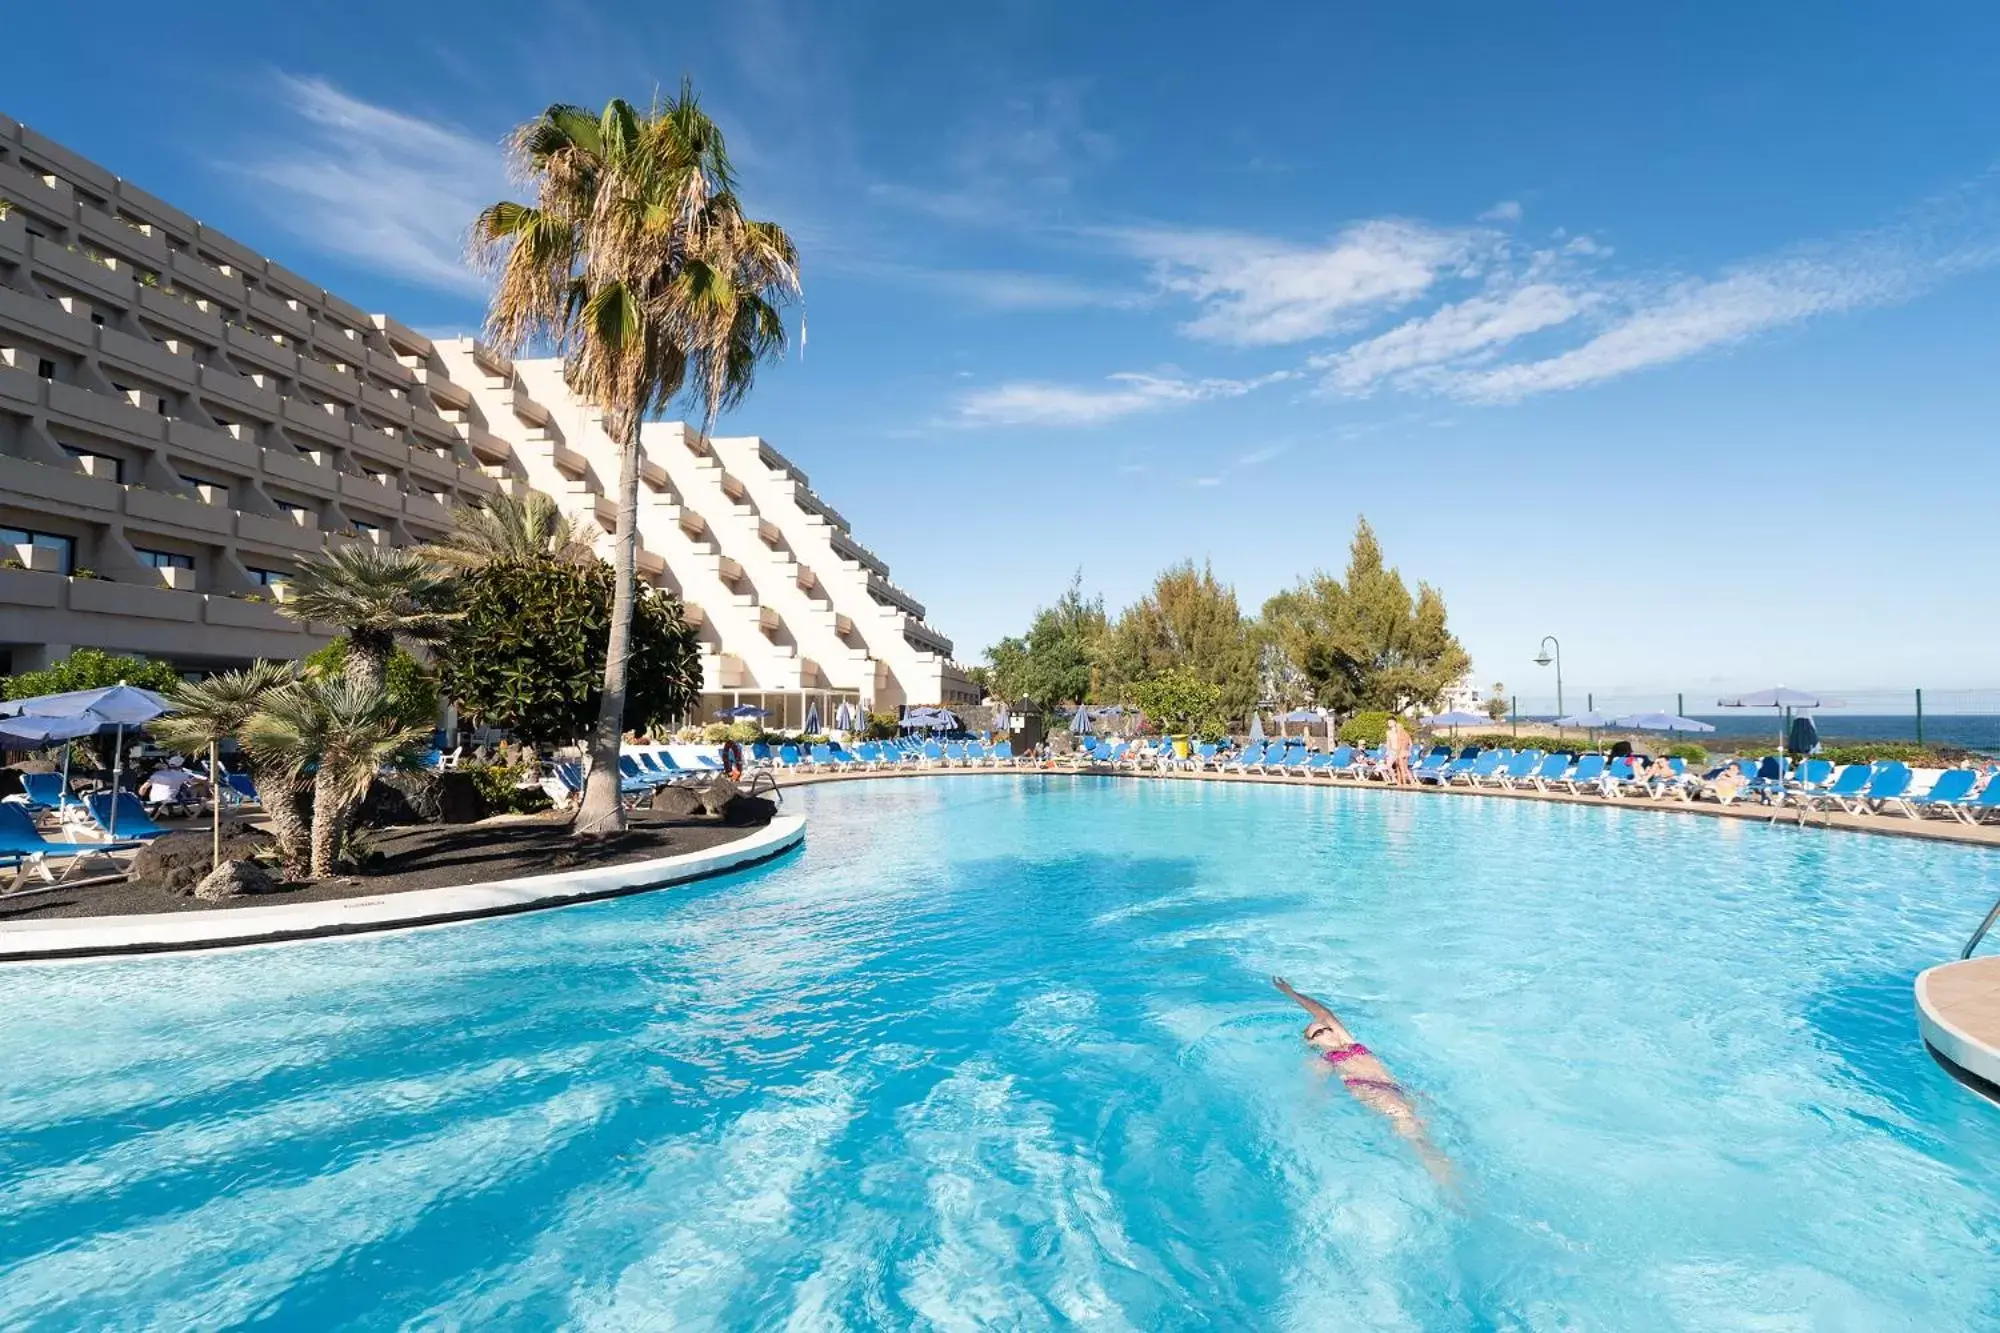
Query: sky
(1669, 333)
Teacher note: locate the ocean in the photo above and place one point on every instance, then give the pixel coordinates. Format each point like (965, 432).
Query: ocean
(1978, 732)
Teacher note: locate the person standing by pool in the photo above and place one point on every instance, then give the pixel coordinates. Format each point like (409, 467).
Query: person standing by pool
(1397, 752)
(1366, 1078)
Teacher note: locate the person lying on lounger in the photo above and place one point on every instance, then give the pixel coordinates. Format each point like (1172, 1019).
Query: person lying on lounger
(1367, 1079)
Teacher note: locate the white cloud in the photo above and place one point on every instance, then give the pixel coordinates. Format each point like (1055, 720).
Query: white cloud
(1507, 210)
(1461, 329)
(1040, 403)
(1254, 290)
(1696, 315)
(1259, 456)
(389, 191)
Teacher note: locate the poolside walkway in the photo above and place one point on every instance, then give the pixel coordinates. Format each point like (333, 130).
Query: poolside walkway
(1958, 1009)
(1933, 830)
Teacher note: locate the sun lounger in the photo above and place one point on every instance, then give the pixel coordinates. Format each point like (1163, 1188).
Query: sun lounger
(1951, 791)
(1985, 805)
(133, 821)
(45, 791)
(1517, 771)
(27, 852)
(1889, 786)
(1588, 772)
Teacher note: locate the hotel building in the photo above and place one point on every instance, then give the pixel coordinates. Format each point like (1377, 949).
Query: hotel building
(182, 419)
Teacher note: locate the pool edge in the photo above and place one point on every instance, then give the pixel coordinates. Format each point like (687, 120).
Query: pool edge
(82, 939)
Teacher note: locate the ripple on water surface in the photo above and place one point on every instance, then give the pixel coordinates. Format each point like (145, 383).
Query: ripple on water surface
(1003, 1053)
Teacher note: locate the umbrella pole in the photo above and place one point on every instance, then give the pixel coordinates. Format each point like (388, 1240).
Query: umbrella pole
(62, 802)
(117, 766)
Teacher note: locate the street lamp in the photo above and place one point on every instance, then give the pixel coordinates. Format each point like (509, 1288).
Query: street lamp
(1543, 659)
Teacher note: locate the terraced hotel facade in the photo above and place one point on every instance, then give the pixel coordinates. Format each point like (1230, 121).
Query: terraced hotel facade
(182, 419)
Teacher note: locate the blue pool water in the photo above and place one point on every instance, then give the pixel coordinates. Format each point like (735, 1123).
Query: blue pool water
(1002, 1053)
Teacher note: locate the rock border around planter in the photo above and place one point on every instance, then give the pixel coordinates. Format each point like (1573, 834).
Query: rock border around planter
(78, 939)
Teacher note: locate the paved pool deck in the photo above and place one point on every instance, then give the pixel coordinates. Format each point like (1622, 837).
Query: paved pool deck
(1958, 1011)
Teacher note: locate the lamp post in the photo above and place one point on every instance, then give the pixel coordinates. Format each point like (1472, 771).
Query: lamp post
(1543, 659)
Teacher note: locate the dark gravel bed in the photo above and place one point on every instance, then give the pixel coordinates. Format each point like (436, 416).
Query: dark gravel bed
(424, 857)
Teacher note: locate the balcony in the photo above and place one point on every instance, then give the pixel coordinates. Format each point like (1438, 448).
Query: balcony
(280, 314)
(177, 511)
(369, 490)
(214, 445)
(385, 404)
(113, 416)
(322, 378)
(298, 532)
(145, 356)
(260, 351)
(259, 402)
(114, 286)
(111, 598)
(302, 471)
(421, 508)
(45, 318)
(382, 446)
(433, 466)
(488, 447)
(22, 480)
(235, 613)
(192, 275)
(31, 588)
(203, 325)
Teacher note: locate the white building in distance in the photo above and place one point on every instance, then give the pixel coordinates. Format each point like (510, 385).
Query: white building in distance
(182, 419)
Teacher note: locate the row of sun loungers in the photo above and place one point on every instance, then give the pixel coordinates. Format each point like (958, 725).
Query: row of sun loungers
(1967, 795)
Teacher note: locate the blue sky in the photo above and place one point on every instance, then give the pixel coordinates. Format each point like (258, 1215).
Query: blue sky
(1671, 334)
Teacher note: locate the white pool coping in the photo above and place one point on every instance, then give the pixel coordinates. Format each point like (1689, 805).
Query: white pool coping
(75, 938)
(1948, 1040)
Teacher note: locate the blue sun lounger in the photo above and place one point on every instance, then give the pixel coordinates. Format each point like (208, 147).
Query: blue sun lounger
(1589, 768)
(27, 852)
(45, 790)
(133, 821)
(1947, 795)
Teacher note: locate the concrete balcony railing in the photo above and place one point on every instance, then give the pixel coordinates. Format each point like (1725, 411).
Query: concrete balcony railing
(22, 480)
(111, 598)
(177, 511)
(298, 532)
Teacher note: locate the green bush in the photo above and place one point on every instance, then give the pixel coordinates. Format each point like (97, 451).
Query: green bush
(743, 733)
(883, 726)
(92, 669)
(1371, 729)
(1688, 750)
(499, 786)
(1907, 752)
(715, 733)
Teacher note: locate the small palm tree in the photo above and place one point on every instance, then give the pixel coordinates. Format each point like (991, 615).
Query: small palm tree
(208, 712)
(376, 595)
(341, 733)
(507, 531)
(636, 263)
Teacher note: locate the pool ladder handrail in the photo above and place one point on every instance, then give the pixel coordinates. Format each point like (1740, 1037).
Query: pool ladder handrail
(770, 781)
(1980, 934)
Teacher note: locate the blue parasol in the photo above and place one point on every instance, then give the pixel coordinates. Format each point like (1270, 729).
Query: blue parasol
(117, 705)
(1660, 722)
(1080, 724)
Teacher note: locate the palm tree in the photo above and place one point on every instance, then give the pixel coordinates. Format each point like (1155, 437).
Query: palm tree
(635, 261)
(217, 709)
(507, 531)
(339, 731)
(376, 595)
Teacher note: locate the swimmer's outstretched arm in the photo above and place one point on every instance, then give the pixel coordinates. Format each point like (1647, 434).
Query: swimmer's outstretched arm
(1319, 1012)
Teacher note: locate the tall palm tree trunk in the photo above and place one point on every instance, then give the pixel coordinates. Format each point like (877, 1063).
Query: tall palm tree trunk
(329, 814)
(602, 811)
(284, 800)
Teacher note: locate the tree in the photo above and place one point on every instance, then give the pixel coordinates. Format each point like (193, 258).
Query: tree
(209, 712)
(637, 264)
(1364, 642)
(507, 530)
(411, 686)
(376, 595)
(340, 733)
(1058, 660)
(1180, 702)
(92, 669)
(1496, 701)
(1188, 621)
(527, 651)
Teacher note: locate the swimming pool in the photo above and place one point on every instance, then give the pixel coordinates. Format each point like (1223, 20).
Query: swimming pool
(1002, 1051)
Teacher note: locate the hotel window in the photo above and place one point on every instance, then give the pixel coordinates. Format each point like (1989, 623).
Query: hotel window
(46, 369)
(49, 541)
(166, 560)
(366, 529)
(267, 577)
(288, 507)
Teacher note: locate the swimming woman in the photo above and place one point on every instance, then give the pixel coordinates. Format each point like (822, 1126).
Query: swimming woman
(1366, 1078)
